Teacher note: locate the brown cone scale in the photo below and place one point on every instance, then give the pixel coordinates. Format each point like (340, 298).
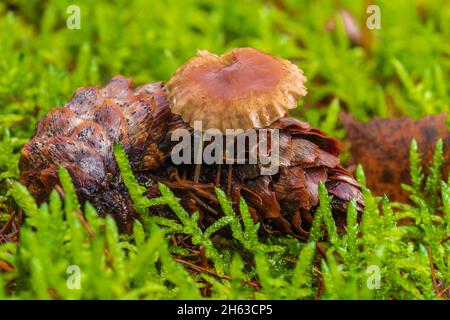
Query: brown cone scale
(80, 137)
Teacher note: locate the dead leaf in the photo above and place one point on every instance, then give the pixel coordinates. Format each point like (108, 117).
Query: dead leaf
(382, 147)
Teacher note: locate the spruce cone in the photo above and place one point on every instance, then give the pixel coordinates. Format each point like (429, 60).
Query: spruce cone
(80, 137)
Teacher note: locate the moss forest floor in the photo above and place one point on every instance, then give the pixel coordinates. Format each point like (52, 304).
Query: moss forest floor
(401, 69)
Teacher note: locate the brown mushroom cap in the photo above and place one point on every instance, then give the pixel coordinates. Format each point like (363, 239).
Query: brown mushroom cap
(241, 89)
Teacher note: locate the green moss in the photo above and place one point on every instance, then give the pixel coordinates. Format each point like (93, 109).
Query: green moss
(402, 71)
(141, 266)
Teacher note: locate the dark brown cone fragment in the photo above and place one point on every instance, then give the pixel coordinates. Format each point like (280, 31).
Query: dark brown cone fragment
(382, 147)
(80, 137)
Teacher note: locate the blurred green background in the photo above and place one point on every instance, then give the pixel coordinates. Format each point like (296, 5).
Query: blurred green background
(400, 69)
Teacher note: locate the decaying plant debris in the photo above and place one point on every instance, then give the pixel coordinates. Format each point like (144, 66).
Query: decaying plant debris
(80, 136)
(382, 147)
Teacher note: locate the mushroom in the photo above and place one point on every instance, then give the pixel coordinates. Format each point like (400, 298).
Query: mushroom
(241, 89)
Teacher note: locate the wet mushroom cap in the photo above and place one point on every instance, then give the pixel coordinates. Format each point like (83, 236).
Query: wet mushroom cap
(241, 89)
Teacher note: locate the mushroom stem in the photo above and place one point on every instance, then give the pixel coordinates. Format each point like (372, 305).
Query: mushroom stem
(198, 168)
(230, 172)
(219, 169)
(198, 150)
